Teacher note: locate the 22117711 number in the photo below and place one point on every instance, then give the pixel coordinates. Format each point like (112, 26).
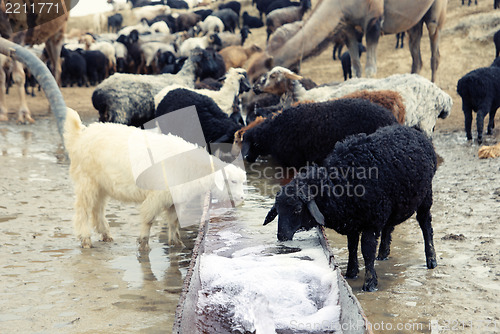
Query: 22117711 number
(34, 8)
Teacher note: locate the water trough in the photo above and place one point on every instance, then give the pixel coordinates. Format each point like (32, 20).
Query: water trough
(242, 280)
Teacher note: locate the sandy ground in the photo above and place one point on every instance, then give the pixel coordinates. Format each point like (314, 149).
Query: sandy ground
(51, 285)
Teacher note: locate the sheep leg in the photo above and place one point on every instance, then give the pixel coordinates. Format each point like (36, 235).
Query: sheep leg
(368, 249)
(84, 208)
(385, 243)
(424, 219)
(149, 210)
(415, 35)
(480, 124)
(174, 235)
(468, 120)
(352, 264)
(491, 122)
(99, 220)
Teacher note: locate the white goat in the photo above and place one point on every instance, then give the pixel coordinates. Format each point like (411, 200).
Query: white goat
(150, 12)
(102, 166)
(224, 97)
(424, 101)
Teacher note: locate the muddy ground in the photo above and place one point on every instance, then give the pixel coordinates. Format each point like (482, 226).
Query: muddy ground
(51, 285)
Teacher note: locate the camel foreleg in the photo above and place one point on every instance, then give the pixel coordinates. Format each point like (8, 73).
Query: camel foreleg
(415, 34)
(373, 31)
(19, 79)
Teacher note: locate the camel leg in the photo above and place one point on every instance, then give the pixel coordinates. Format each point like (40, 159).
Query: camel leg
(3, 109)
(372, 35)
(53, 47)
(353, 39)
(415, 35)
(434, 23)
(19, 79)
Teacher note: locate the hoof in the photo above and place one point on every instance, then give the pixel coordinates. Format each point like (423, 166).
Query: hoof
(382, 258)
(86, 243)
(370, 287)
(144, 244)
(351, 274)
(107, 238)
(431, 263)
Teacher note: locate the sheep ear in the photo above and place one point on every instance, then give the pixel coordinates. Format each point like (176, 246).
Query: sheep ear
(219, 180)
(314, 210)
(271, 215)
(269, 63)
(292, 76)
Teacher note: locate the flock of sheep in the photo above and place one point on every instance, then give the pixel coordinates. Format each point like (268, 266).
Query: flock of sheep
(170, 61)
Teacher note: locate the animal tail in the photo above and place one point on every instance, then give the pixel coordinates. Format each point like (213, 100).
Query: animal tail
(72, 128)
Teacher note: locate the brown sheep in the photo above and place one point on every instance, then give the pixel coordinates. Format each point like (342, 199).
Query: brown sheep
(489, 151)
(237, 55)
(258, 64)
(279, 17)
(386, 98)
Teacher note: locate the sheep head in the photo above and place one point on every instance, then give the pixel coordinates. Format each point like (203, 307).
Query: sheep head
(296, 206)
(277, 81)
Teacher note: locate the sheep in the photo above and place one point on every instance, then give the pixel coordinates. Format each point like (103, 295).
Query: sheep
(216, 125)
(400, 38)
(186, 20)
(101, 168)
(211, 25)
(235, 83)
(489, 151)
(108, 50)
(278, 17)
(424, 101)
(228, 39)
(160, 27)
(345, 60)
(228, 17)
(129, 98)
(237, 55)
(213, 66)
(251, 21)
(280, 4)
(238, 135)
(203, 13)
(151, 49)
(165, 62)
(121, 55)
(288, 137)
(97, 65)
(235, 6)
(142, 28)
(134, 51)
(258, 64)
(480, 92)
(150, 12)
(367, 185)
(115, 22)
(177, 4)
(198, 42)
(74, 68)
(496, 62)
(496, 40)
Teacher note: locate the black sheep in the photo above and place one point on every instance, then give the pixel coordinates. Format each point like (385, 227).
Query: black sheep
(216, 125)
(308, 132)
(97, 65)
(368, 185)
(177, 4)
(252, 21)
(135, 55)
(229, 18)
(345, 60)
(74, 68)
(165, 62)
(400, 38)
(212, 66)
(277, 4)
(496, 40)
(203, 13)
(115, 22)
(235, 6)
(480, 92)
(496, 62)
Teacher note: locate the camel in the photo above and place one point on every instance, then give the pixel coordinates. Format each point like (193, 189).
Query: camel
(35, 27)
(372, 17)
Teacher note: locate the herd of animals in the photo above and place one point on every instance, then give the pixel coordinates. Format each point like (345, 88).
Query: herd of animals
(252, 97)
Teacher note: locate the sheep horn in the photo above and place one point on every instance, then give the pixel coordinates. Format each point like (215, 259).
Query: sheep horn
(314, 210)
(271, 215)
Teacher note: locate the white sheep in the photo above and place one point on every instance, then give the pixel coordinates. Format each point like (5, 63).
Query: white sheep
(211, 25)
(424, 101)
(150, 12)
(102, 166)
(197, 42)
(151, 48)
(160, 27)
(224, 97)
(109, 51)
